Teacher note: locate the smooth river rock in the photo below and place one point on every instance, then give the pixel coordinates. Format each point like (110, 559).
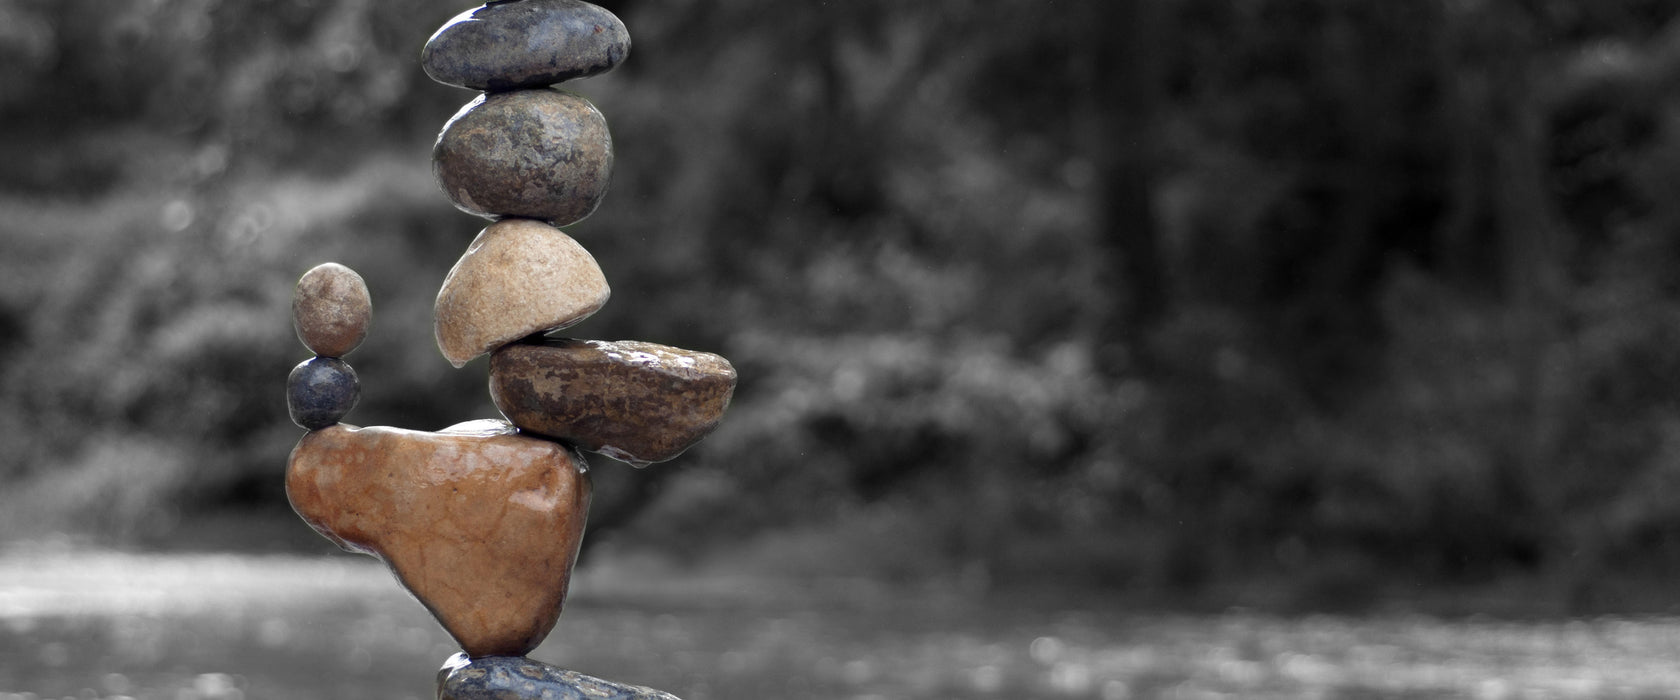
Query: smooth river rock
(320, 391)
(331, 310)
(538, 154)
(530, 43)
(633, 401)
(519, 277)
(521, 678)
(481, 524)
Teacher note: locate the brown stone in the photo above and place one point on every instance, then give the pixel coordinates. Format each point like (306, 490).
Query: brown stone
(480, 523)
(539, 154)
(633, 401)
(519, 277)
(331, 310)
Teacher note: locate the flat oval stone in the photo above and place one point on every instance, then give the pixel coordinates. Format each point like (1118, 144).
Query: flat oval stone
(320, 391)
(530, 43)
(519, 277)
(331, 310)
(538, 154)
(480, 523)
(518, 678)
(632, 401)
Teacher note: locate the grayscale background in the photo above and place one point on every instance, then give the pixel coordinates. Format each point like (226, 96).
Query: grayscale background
(1102, 350)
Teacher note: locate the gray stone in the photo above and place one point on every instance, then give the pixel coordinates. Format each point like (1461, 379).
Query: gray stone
(521, 678)
(320, 391)
(540, 154)
(525, 44)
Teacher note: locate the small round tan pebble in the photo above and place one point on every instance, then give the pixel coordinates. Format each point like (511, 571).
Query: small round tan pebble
(331, 310)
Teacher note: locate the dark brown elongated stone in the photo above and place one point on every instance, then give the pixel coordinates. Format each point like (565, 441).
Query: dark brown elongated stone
(633, 401)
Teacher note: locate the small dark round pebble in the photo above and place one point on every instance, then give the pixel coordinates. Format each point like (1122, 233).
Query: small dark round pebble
(519, 678)
(525, 44)
(540, 154)
(320, 391)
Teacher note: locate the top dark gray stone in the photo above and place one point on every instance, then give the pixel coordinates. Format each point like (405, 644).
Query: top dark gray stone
(522, 678)
(525, 44)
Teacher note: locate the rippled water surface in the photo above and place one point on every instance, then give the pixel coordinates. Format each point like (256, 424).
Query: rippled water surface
(95, 625)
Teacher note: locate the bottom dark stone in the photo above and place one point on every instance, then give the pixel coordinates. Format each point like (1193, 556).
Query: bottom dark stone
(521, 678)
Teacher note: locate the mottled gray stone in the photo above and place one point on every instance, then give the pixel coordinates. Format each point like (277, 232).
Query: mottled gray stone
(540, 154)
(524, 44)
(522, 678)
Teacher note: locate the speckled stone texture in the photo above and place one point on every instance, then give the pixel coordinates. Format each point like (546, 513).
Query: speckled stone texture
(521, 678)
(519, 277)
(530, 43)
(331, 310)
(538, 154)
(479, 523)
(320, 391)
(633, 401)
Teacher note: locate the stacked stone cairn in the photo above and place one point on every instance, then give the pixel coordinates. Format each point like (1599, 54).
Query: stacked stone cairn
(482, 521)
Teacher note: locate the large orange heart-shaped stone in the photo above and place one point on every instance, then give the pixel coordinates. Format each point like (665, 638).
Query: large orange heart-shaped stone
(478, 522)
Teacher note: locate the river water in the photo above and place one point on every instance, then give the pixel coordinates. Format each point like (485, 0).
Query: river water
(92, 624)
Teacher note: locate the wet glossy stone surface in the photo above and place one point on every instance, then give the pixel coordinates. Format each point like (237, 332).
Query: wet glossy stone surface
(320, 391)
(331, 310)
(633, 401)
(481, 524)
(519, 277)
(530, 43)
(519, 678)
(538, 154)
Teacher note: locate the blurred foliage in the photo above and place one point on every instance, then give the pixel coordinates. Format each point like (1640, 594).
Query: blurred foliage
(1148, 293)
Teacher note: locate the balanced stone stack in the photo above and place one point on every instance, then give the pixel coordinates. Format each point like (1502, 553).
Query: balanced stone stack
(482, 521)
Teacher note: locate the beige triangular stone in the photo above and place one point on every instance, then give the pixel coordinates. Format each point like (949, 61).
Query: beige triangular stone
(519, 277)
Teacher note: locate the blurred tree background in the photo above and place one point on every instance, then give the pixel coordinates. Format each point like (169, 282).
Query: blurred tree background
(1151, 295)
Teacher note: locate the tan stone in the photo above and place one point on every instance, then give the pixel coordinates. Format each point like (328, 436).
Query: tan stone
(633, 401)
(519, 277)
(331, 310)
(481, 524)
